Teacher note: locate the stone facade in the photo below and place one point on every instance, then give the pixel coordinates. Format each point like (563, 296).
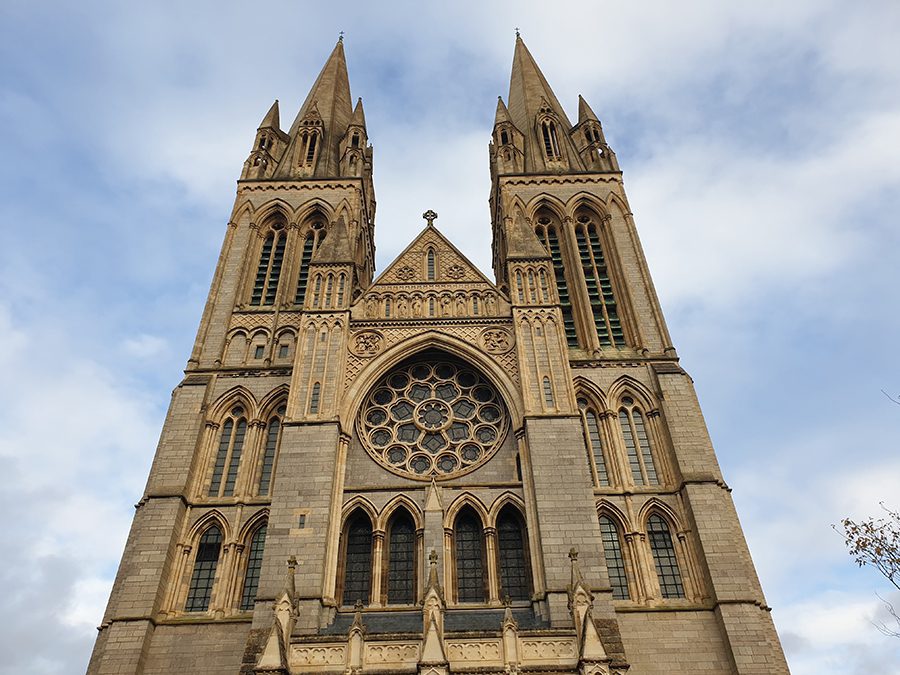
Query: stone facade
(434, 472)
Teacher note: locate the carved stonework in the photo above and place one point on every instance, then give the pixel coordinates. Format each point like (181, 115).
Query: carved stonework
(474, 651)
(392, 653)
(455, 272)
(366, 343)
(317, 656)
(406, 273)
(496, 340)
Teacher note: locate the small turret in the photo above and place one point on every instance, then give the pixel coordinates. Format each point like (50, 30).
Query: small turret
(508, 145)
(268, 147)
(355, 152)
(588, 137)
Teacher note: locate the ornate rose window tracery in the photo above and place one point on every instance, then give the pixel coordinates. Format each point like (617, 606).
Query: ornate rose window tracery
(433, 417)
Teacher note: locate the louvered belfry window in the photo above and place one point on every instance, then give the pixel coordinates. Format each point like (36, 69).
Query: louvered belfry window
(358, 560)
(599, 287)
(547, 233)
(469, 540)
(204, 574)
(401, 573)
(268, 272)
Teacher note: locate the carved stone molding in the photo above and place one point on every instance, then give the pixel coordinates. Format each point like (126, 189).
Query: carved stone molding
(496, 340)
(366, 343)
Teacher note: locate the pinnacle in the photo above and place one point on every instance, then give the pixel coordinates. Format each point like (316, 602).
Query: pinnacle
(528, 88)
(271, 120)
(331, 91)
(584, 111)
(502, 114)
(359, 116)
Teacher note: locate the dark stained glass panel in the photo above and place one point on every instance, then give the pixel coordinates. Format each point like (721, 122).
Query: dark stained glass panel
(470, 585)
(513, 565)
(401, 579)
(358, 561)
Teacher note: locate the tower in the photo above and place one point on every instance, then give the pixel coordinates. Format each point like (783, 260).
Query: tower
(433, 472)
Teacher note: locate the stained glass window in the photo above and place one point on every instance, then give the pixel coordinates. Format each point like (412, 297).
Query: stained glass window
(401, 574)
(254, 566)
(204, 574)
(358, 560)
(469, 540)
(615, 563)
(514, 580)
(664, 557)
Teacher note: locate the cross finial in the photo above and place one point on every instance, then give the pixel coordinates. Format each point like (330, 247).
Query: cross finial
(430, 216)
(517, 32)
(341, 36)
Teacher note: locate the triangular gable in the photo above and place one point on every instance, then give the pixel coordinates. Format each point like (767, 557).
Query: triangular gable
(451, 266)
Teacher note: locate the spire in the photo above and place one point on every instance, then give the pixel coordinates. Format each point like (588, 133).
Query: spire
(502, 114)
(330, 93)
(584, 111)
(529, 90)
(359, 116)
(271, 120)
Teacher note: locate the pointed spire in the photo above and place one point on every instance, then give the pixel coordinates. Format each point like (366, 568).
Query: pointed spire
(359, 116)
(584, 111)
(528, 88)
(330, 93)
(271, 120)
(502, 114)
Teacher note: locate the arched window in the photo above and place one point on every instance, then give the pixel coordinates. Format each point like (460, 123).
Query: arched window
(254, 566)
(599, 287)
(273, 440)
(340, 294)
(512, 555)
(593, 439)
(468, 536)
(429, 264)
(401, 559)
(329, 286)
(664, 558)
(387, 308)
(637, 444)
(317, 293)
(269, 269)
(357, 559)
(314, 398)
(204, 574)
(520, 286)
(303, 277)
(548, 392)
(615, 562)
(231, 444)
(547, 233)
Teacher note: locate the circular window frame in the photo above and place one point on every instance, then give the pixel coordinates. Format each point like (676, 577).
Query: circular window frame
(435, 372)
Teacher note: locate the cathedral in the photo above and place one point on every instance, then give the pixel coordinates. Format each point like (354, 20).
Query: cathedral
(432, 471)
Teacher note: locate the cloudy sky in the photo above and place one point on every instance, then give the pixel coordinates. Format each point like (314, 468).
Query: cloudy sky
(760, 145)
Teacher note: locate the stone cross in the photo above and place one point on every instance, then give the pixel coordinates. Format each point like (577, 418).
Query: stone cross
(430, 216)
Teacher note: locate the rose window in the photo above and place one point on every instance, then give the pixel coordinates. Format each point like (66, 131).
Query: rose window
(433, 418)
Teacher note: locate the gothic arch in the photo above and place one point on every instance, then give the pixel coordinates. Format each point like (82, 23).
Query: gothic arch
(399, 502)
(270, 402)
(614, 513)
(235, 395)
(207, 520)
(253, 522)
(466, 499)
(271, 210)
(230, 357)
(315, 206)
(552, 203)
(505, 499)
(382, 364)
(655, 506)
(243, 210)
(591, 391)
(361, 503)
(587, 201)
(628, 386)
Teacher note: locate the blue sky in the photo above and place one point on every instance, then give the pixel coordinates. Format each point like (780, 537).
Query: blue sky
(760, 147)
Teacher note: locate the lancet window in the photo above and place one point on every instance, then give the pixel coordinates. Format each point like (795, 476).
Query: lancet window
(310, 244)
(550, 138)
(401, 559)
(228, 455)
(270, 452)
(547, 232)
(515, 581)
(204, 574)
(637, 443)
(599, 286)
(254, 567)
(468, 535)
(357, 577)
(268, 271)
(593, 438)
(664, 557)
(615, 561)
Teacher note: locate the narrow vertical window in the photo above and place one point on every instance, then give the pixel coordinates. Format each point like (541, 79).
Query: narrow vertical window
(532, 289)
(204, 574)
(262, 270)
(513, 562)
(599, 287)
(431, 306)
(520, 286)
(240, 431)
(329, 285)
(637, 444)
(430, 264)
(664, 558)
(317, 294)
(548, 392)
(387, 308)
(221, 458)
(504, 137)
(358, 560)
(551, 241)
(303, 277)
(275, 270)
(475, 305)
(254, 567)
(273, 438)
(311, 148)
(594, 439)
(551, 142)
(545, 291)
(314, 398)
(469, 543)
(340, 296)
(401, 567)
(615, 563)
